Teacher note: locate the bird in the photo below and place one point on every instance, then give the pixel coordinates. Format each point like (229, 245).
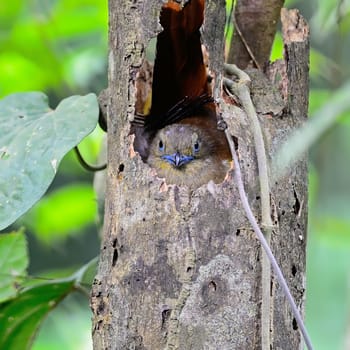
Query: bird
(179, 137)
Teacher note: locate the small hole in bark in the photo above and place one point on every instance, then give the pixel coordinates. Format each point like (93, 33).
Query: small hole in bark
(235, 141)
(238, 232)
(143, 219)
(138, 342)
(100, 308)
(296, 205)
(283, 212)
(99, 324)
(121, 168)
(115, 257)
(165, 316)
(257, 198)
(212, 286)
(295, 324)
(271, 288)
(97, 282)
(189, 269)
(294, 270)
(114, 243)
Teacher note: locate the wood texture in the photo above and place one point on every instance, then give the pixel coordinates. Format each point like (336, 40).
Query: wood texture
(180, 269)
(255, 21)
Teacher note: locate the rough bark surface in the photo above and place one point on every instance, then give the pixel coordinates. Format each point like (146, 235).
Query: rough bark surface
(180, 269)
(256, 22)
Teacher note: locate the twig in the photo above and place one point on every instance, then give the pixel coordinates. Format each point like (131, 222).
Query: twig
(247, 47)
(274, 264)
(241, 90)
(87, 166)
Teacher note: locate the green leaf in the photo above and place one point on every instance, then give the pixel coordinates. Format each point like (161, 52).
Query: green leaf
(13, 262)
(33, 140)
(21, 317)
(62, 212)
(54, 333)
(85, 275)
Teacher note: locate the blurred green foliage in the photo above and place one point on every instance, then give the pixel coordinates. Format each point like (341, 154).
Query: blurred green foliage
(328, 254)
(60, 47)
(49, 221)
(13, 263)
(24, 309)
(56, 46)
(63, 327)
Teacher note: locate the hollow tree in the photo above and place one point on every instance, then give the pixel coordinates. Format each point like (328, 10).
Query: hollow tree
(181, 269)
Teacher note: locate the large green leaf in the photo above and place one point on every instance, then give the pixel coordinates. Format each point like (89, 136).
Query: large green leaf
(13, 263)
(85, 275)
(54, 333)
(21, 317)
(33, 140)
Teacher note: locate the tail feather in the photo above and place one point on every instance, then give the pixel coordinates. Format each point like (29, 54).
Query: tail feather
(179, 70)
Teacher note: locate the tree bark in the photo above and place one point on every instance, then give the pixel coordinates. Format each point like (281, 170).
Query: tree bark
(181, 269)
(255, 23)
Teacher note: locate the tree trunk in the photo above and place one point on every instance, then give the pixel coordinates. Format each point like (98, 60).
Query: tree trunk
(255, 23)
(181, 269)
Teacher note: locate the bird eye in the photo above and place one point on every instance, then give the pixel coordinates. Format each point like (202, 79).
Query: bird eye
(196, 147)
(161, 145)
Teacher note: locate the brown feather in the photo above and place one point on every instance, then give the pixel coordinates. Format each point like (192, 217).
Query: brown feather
(181, 94)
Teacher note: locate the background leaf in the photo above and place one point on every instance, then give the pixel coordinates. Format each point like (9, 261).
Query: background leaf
(86, 274)
(33, 140)
(13, 263)
(54, 333)
(20, 317)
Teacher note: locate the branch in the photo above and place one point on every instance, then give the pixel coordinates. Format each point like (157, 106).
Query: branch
(256, 22)
(241, 90)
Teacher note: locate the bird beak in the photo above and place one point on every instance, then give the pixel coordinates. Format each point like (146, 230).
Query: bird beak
(177, 159)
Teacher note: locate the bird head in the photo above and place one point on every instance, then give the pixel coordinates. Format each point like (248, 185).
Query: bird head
(185, 155)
